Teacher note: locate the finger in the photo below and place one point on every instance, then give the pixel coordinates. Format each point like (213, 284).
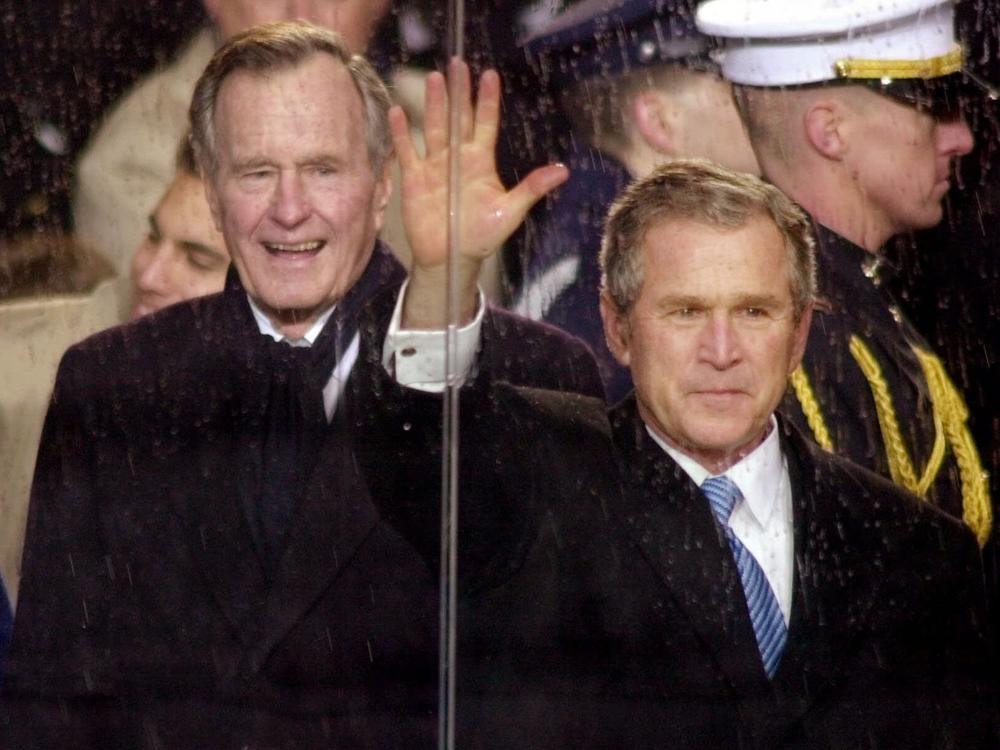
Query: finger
(537, 184)
(487, 122)
(461, 94)
(401, 139)
(435, 115)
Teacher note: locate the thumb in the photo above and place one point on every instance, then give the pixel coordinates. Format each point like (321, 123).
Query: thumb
(535, 186)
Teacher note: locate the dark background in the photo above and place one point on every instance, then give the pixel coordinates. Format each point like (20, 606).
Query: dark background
(62, 63)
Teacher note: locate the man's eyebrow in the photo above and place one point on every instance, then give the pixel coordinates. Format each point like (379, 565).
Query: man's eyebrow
(760, 300)
(321, 158)
(251, 162)
(257, 162)
(744, 300)
(679, 300)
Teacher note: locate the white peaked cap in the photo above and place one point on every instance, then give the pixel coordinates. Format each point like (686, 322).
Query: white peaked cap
(790, 42)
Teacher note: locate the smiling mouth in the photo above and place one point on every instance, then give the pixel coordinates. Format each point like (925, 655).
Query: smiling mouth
(298, 248)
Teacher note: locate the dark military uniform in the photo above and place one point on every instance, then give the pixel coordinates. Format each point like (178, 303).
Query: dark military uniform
(871, 389)
(606, 41)
(563, 276)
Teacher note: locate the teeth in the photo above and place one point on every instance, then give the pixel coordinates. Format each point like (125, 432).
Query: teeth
(301, 247)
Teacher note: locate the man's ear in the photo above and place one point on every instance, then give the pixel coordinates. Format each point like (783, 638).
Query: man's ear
(824, 128)
(616, 329)
(801, 338)
(654, 120)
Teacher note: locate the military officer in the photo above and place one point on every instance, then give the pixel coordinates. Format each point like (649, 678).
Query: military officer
(854, 110)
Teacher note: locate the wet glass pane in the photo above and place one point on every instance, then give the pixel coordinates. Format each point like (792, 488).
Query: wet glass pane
(229, 546)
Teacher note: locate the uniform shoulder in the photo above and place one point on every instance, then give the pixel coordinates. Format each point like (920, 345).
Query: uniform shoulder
(877, 508)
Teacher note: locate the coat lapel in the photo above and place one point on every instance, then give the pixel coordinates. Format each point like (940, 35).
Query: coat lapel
(816, 645)
(334, 519)
(334, 516)
(336, 513)
(220, 539)
(672, 525)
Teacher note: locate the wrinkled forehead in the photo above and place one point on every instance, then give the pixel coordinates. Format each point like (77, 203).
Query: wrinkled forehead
(311, 107)
(700, 244)
(317, 82)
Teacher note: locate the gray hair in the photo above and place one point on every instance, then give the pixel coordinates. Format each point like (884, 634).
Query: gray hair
(281, 46)
(700, 190)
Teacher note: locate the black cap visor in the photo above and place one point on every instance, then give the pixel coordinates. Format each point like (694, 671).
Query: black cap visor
(943, 96)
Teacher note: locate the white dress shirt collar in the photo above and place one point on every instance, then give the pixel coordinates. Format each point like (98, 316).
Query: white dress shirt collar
(759, 475)
(763, 520)
(338, 378)
(268, 328)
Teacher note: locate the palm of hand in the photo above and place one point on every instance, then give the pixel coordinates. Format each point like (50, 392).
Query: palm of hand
(487, 212)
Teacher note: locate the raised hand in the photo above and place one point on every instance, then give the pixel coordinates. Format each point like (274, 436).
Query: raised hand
(489, 213)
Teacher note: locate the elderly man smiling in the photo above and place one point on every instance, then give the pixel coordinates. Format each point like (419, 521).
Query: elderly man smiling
(206, 563)
(128, 162)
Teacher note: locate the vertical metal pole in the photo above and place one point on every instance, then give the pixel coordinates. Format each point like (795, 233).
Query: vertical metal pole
(449, 488)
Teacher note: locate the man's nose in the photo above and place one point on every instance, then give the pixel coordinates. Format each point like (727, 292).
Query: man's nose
(954, 136)
(154, 266)
(720, 342)
(291, 206)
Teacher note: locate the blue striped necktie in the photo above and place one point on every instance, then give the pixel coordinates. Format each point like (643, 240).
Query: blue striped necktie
(765, 614)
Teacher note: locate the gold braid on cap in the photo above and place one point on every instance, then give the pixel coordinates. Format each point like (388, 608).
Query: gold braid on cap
(950, 430)
(932, 67)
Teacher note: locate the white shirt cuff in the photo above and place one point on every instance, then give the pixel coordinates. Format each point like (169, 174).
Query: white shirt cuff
(416, 358)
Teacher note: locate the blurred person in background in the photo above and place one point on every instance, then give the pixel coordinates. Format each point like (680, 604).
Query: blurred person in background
(44, 264)
(183, 255)
(42, 276)
(53, 292)
(634, 81)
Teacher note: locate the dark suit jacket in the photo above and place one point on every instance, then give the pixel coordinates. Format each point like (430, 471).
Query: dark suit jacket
(147, 617)
(885, 644)
(600, 606)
